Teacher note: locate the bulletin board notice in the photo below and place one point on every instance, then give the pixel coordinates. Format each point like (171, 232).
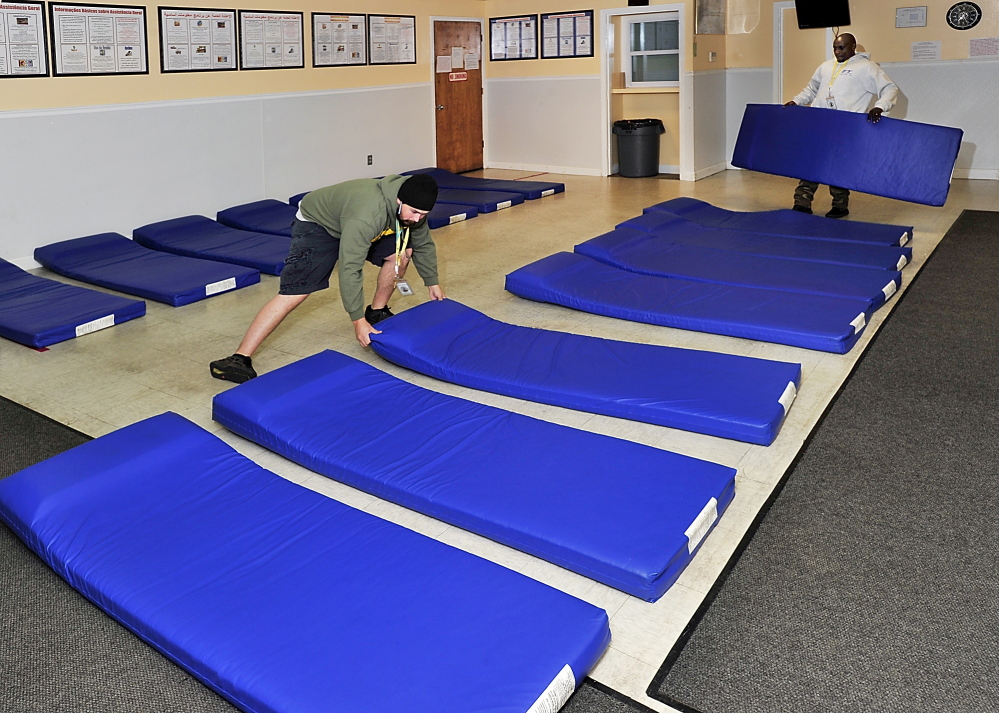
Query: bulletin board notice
(514, 37)
(22, 40)
(567, 34)
(392, 39)
(197, 40)
(270, 40)
(338, 40)
(98, 39)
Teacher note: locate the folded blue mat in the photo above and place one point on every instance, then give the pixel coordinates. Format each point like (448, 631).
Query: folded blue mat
(717, 394)
(113, 261)
(198, 236)
(531, 190)
(896, 159)
(785, 222)
(266, 216)
(38, 312)
(650, 255)
(483, 201)
(285, 601)
(297, 198)
(448, 213)
(829, 324)
(625, 514)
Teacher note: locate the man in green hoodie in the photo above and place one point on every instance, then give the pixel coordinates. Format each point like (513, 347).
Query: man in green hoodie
(381, 221)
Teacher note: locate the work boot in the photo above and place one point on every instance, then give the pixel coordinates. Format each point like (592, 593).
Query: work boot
(374, 316)
(802, 208)
(236, 368)
(837, 212)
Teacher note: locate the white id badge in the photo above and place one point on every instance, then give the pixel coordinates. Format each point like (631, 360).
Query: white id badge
(404, 288)
(831, 101)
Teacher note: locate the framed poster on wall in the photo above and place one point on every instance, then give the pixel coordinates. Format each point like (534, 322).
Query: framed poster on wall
(391, 39)
(338, 40)
(22, 40)
(567, 34)
(98, 39)
(197, 40)
(514, 37)
(270, 40)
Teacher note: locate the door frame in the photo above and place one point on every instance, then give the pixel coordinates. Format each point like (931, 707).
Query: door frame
(686, 86)
(433, 71)
(778, 61)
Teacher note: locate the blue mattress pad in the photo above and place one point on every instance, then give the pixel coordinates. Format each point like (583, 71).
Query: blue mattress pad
(266, 216)
(531, 190)
(447, 214)
(482, 201)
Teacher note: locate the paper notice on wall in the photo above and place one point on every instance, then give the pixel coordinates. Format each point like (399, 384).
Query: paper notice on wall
(444, 64)
(928, 50)
(984, 47)
(472, 60)
(457, 57)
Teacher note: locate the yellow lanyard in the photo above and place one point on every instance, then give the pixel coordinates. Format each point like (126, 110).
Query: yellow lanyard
(401, 241)
(836, 72)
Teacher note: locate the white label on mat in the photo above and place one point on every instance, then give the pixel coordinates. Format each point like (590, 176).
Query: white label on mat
(787, 398)
(220, 286)
(457, 218)
(889, 289)
(557, 693)
(550, 191)
(701, 524)
(504, 204)
(89, 327)
(902, 262)
(859, 323)
(904, 239)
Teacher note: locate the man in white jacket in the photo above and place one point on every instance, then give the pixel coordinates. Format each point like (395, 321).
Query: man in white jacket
(847, 83)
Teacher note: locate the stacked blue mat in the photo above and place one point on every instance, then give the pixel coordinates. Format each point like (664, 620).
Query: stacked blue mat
(266, 216)
(201, 237)
(716, 394)
(113, 261)
(284, 601)
(38, 312)
(625, 514)
(896, 159)
(531, 190)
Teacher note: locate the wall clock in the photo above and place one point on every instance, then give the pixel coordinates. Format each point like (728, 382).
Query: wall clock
(964, 15)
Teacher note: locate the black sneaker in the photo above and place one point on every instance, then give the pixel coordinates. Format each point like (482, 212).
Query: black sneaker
(374, 316)
(801, 208)
(236, 368)
(838, 213)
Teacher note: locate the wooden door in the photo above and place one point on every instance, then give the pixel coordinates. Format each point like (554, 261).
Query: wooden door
(802, 51)
(458, 94)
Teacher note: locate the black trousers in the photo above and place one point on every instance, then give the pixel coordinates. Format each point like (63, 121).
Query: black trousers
(805, 192)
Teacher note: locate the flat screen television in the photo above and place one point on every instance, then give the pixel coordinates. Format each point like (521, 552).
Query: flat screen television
(822, 13)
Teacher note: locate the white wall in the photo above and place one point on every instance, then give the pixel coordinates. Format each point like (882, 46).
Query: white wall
(709, 122)
(74, 172)
(545, 124)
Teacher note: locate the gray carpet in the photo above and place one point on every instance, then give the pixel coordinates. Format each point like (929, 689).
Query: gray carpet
(60, 654)
(871, 583)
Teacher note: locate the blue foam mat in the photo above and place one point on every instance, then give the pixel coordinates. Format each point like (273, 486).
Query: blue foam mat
(531, 190)
(612, 510)
(113, 261)
(831, 324)
(483, 201)
(448, 214)
(39, 312)
(717, 394)
(649, 255)
(201, 237)
(905, 160)
(283, 600)
(266, 216)
(785, 222)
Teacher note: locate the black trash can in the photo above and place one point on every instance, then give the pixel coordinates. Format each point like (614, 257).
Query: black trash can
(638, 146)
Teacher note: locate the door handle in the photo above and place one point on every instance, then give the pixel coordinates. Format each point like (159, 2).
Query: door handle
(440, 107)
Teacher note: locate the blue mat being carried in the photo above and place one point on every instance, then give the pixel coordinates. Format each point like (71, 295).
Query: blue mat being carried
(198, 236)
(785, 222)
(717, 394)
(649, 255)
(482, 201)
(284, 601)
(625, 514)
(896, 159)
(829, 324)
(531, 190)
(113, 261)
(38, 312)
(266, 216)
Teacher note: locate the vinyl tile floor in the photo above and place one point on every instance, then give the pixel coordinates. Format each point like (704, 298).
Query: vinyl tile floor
(114, 377)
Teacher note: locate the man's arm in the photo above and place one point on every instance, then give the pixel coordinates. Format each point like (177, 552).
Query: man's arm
(355, 241)
(811, 90)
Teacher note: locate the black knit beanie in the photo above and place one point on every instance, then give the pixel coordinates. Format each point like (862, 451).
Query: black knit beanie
(419, 191)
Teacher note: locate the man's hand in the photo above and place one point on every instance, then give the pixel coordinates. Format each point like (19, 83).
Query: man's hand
(790, 103)
(363, 331)
(874, 115)
(436, 293)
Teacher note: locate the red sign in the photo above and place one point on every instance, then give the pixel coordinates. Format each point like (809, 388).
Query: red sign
(457, 77)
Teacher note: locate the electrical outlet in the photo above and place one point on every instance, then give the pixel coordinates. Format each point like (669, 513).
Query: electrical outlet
(370, 159)
(712, 56)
